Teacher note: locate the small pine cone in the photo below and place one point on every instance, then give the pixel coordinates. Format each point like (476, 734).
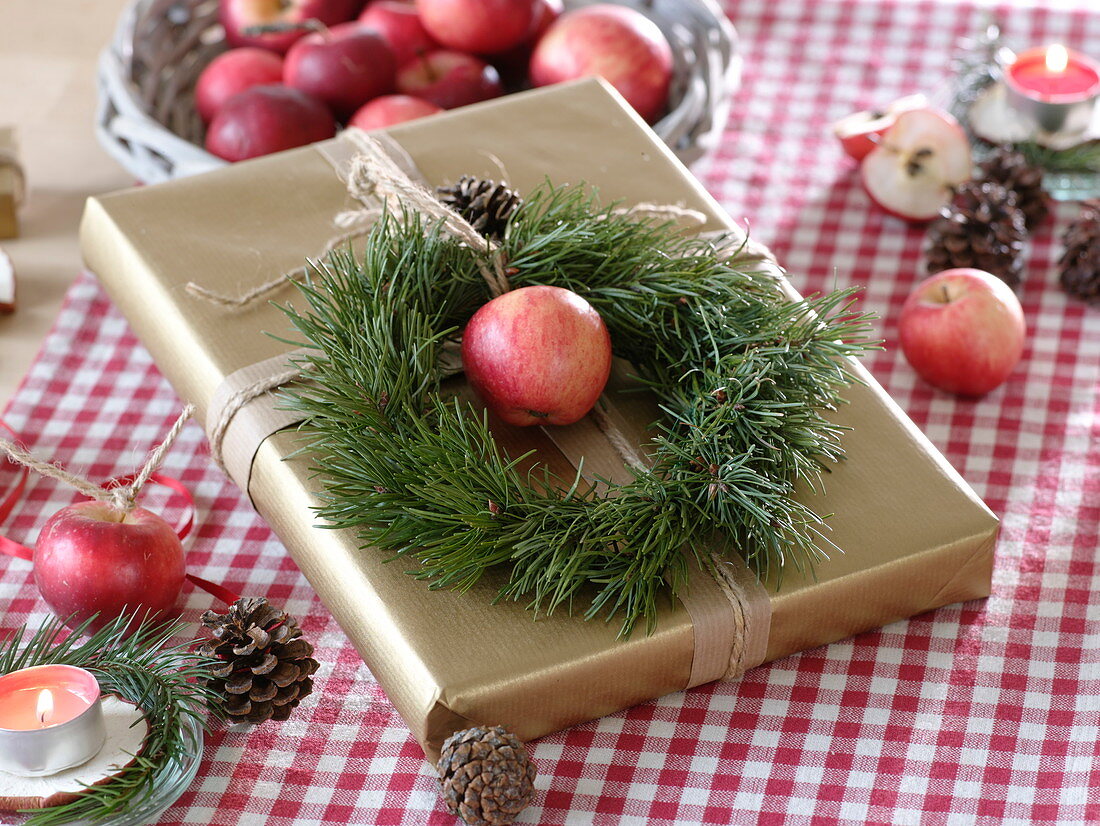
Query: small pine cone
(486, 204)
(1080, 262)
(1009, 168)
(983, 228)
(265, 667)
(486, 776)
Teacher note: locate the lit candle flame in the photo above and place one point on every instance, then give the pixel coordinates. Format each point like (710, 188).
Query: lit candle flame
(1057, 58)
(45, 706)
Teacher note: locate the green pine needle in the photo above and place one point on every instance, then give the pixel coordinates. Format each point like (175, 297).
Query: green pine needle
(164, 681)
(744, 375)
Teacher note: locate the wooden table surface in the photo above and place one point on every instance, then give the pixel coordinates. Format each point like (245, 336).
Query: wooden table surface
(48, 53)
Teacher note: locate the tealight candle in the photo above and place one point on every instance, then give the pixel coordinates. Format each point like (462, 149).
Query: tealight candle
(50, 719)
(1054, 87)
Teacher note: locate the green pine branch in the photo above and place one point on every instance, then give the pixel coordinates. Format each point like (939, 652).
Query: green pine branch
(745, 378)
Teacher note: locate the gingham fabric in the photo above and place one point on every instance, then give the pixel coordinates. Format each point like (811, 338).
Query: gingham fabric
(987, 712)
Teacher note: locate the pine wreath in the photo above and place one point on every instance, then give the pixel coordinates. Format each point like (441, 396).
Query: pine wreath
(745, 377)
(133, 658)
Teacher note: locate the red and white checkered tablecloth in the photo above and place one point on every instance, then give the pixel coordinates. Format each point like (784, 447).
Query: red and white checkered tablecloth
(987, 712)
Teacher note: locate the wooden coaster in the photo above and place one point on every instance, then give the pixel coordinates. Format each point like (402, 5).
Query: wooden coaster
(124, 739)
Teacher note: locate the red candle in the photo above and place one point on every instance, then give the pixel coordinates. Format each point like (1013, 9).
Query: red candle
(1054, 74)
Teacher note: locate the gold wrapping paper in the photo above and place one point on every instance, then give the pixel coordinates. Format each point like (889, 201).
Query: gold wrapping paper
(914, 535)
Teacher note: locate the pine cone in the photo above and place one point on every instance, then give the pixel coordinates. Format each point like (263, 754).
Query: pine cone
(1009, 168)
(486, 777)
(486, 204)
(1080, 263)
(982, 227)
(266, 665)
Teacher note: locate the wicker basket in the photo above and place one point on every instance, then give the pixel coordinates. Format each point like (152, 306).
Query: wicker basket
(146, 119)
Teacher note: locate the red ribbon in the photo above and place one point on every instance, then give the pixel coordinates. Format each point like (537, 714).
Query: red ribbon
(183, 529)
(8, 505)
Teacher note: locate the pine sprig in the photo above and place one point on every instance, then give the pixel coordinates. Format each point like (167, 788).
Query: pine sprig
(744, 376)
(135, 661)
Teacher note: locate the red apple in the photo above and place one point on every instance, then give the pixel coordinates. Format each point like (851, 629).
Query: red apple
(917, 164)
(233, 72)
(238, 15)
(343, 67)
(512, 64)
(963, 331)
(479, 26)
(860, 132)
(266, 119)
(390, 109)
(537, 355)
(400, 26)
(91, 558)
(618, 43)
(449, 79)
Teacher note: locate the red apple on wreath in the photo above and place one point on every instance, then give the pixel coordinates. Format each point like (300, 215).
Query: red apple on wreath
(537, 355)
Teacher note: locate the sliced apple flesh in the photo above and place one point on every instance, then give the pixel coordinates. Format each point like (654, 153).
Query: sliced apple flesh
(917, 164)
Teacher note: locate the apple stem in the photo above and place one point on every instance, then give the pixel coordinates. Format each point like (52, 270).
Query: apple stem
(215, 590)
(946, 294)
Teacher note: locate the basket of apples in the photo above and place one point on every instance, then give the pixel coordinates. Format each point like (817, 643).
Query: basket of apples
(188, 85)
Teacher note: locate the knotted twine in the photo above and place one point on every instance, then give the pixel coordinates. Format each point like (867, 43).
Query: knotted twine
(122, 498)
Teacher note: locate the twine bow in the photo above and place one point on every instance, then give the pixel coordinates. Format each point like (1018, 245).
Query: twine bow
(122, 498)
(374, 174)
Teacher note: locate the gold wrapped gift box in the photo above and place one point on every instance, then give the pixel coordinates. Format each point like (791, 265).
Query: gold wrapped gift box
(914, 536)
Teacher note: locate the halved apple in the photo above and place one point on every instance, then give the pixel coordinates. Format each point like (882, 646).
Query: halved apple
(860, 132)
(917, 164)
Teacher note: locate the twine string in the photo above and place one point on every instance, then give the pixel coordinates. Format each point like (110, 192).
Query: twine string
(238, 400)
(122, 498)
(345, 220)
(669, 212)
(374, 174)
